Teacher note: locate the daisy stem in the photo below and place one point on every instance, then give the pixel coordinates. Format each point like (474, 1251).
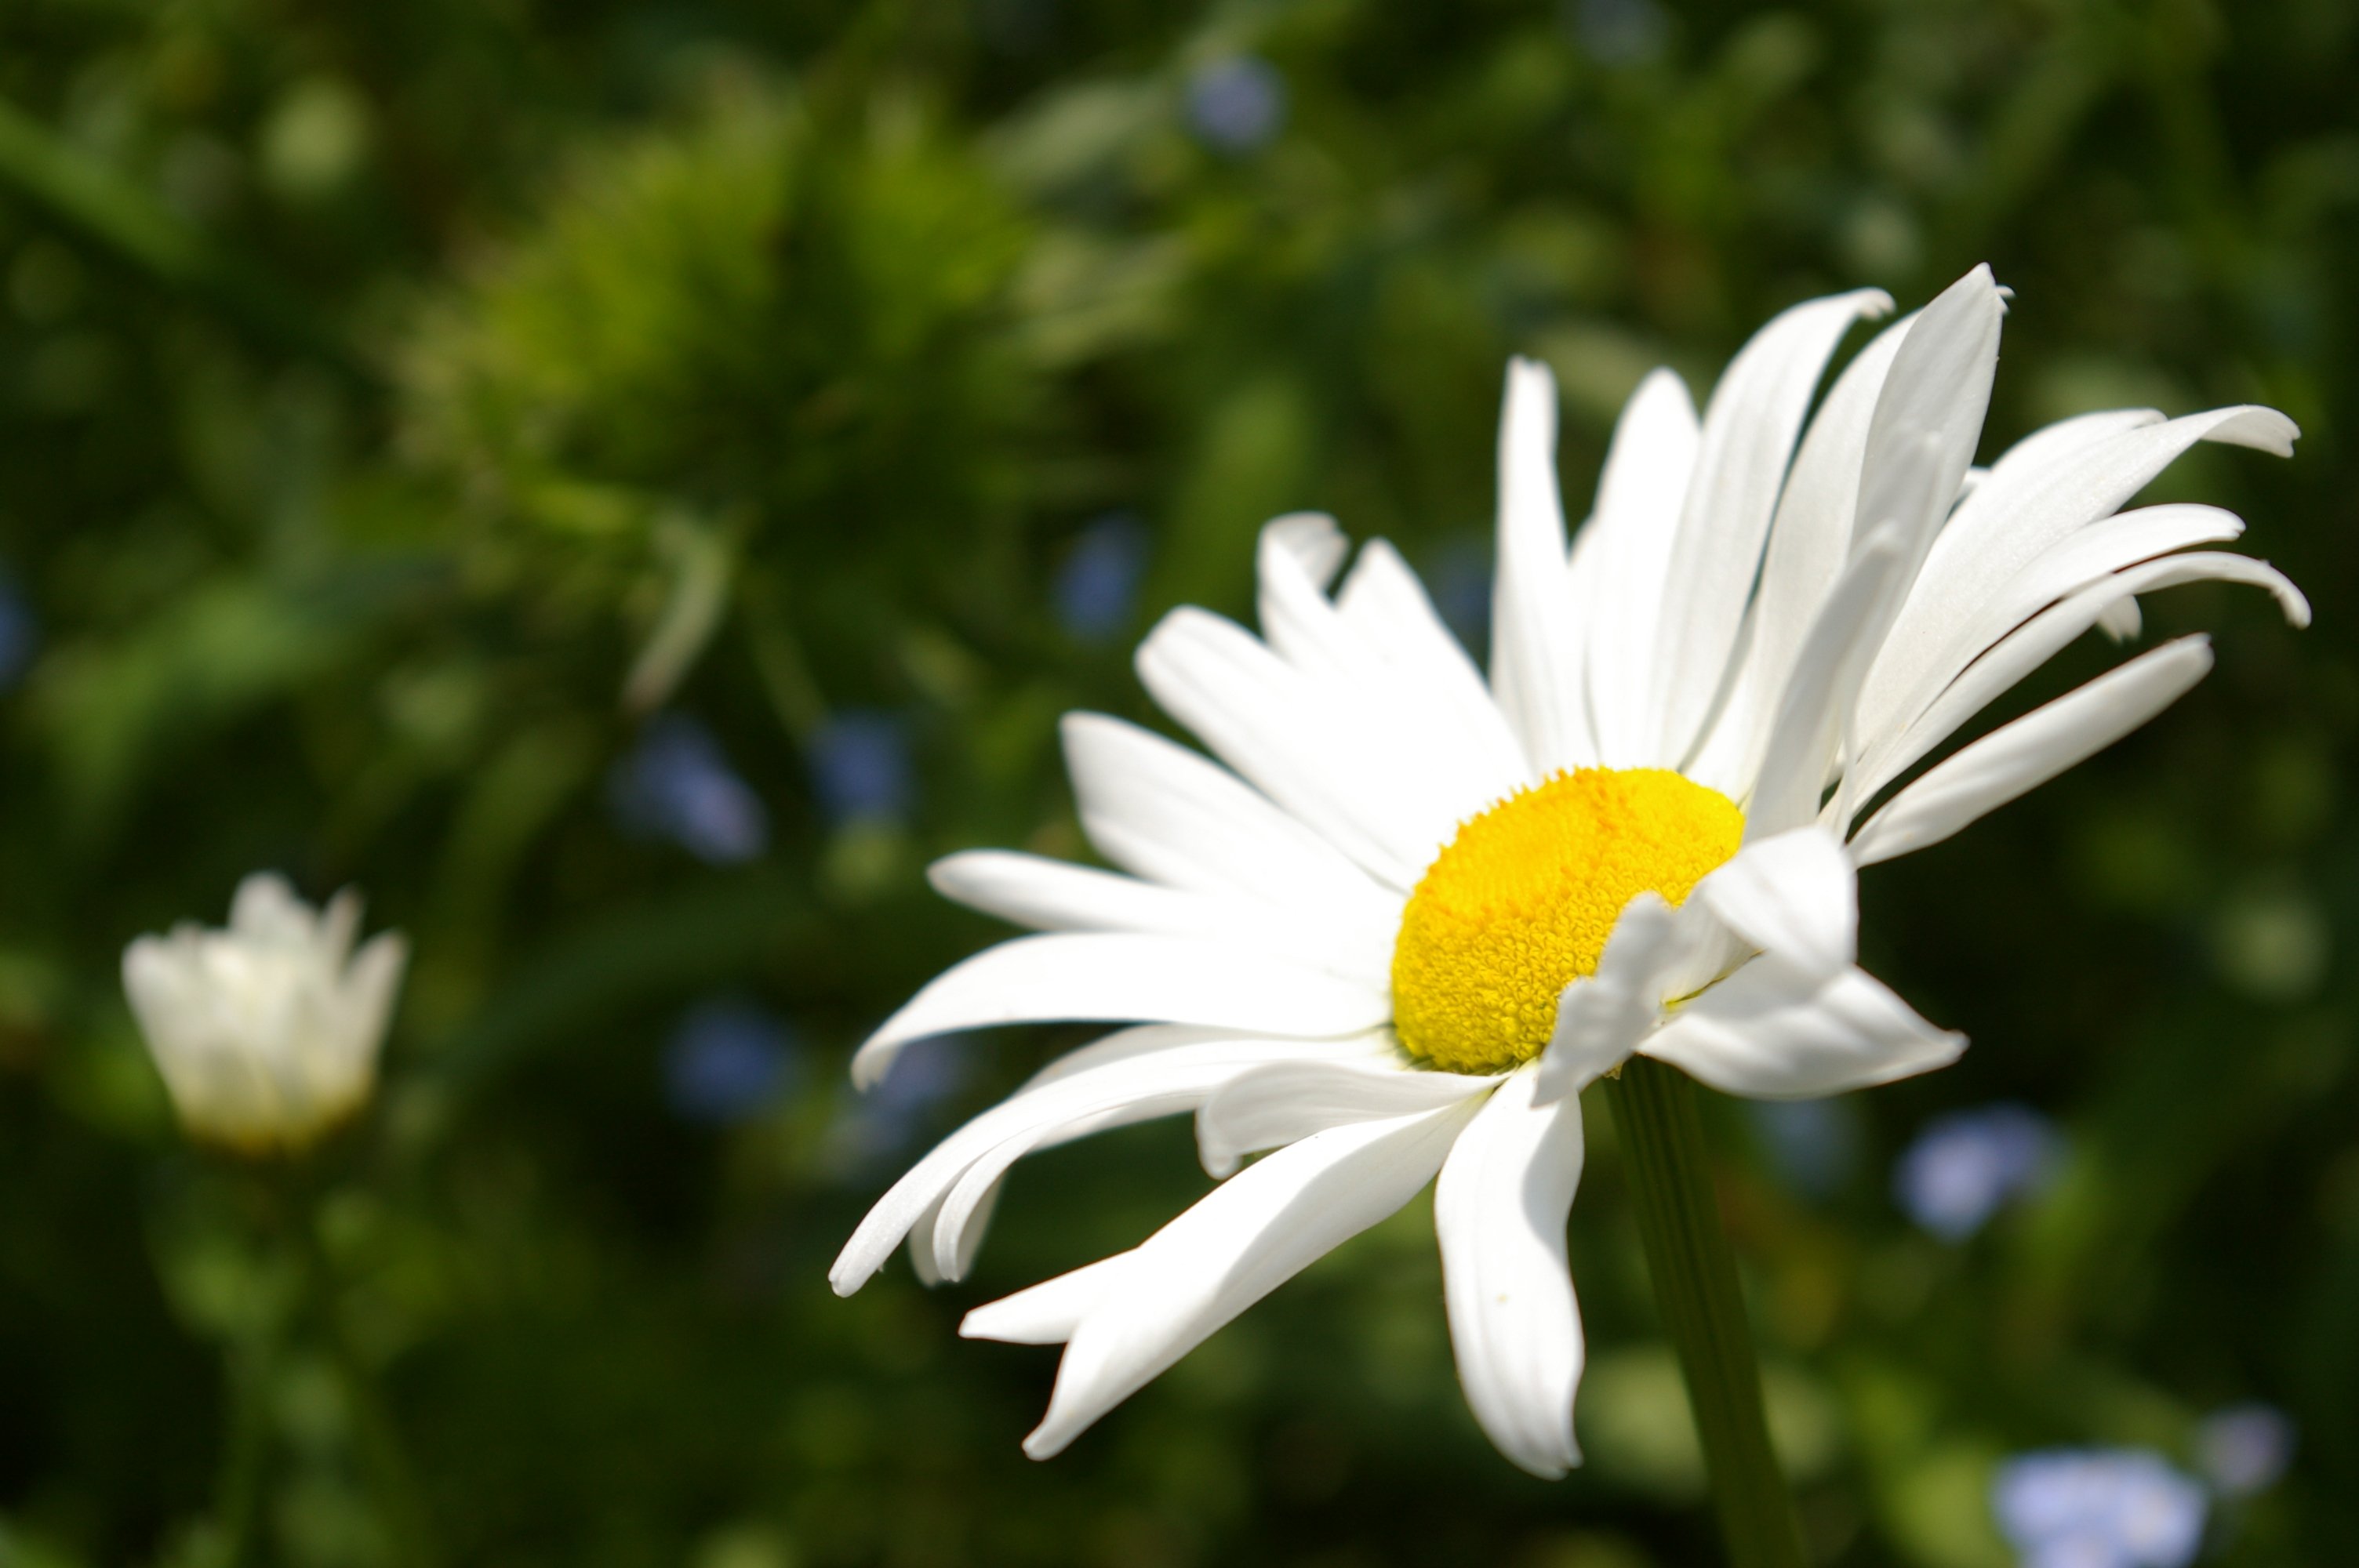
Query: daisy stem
(1694, 1272)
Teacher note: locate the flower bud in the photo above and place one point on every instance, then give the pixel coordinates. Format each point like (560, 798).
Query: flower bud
(267, 1032)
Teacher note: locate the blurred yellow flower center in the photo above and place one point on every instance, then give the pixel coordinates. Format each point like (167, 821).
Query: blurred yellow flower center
(1522, 900)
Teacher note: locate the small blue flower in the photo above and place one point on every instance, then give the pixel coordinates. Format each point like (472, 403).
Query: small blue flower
(860, 768)
(1236, 104)
(1813, 1143)
(677, 785)
(727, 1062)
(2245, 1449)
(2098, 1508)
(1097, 586)
(18, 635)
(1964, 1165)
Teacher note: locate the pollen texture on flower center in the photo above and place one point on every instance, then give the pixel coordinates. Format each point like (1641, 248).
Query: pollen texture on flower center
(1521, 902)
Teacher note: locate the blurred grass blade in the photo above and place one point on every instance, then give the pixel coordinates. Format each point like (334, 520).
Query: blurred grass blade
(114, 213)
(704, 564)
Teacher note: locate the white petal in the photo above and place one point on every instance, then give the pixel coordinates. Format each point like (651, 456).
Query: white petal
(943, 1244)
(372, 983)
(1630, 535)
(1920, 446)
(2039, 639)
(2019, 514)
(2023, 468)
(951, 1236)
(1749, 428)
(1147, 1039)
(1808, 542)
(1067, 977)
(266, 909)
(1499, 1208)
(1411, 732)
(1820, 694)
(166, 993)
(1796, 895)
(1535, 649)
(2034, 749)
(1773, 1030)
(1265, 719)
(1295, 559)
(339, 925)
(1054, 895)
(1270, 1107)
(1314, 541)
(1250, 1235)
(1601, 1018)
(1935, 397)
(1132, 1076)
(2073, 561)
(1049, 1311)
(1159, 810)
(2100, 549)
(1429, 673)
(1578, 607)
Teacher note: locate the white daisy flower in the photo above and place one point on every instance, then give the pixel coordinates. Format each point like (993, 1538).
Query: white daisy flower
(1417, 913)
(267, 1032)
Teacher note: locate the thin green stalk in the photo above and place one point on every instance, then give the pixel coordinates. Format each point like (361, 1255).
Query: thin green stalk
(381, 1451)
(1695, 1286)
(246, 1453)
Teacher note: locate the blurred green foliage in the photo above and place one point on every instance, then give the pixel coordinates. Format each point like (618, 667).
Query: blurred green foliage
(402, 408)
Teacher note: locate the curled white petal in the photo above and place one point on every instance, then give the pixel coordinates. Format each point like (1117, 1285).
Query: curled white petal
(1049, 1311)
(1250, 1235)
(1796, 895)
(2021, 756)
(1601, 1018)
(2033, 643)
(2025, 508)
(1775, 1031)
(1270, 1107)
(1136, 1076)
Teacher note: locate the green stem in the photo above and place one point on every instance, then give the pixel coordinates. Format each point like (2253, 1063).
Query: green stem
(246, 1453)
(1695, 1286)
(381, 1450)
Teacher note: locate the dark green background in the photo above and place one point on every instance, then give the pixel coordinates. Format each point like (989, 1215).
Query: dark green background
(376, 379)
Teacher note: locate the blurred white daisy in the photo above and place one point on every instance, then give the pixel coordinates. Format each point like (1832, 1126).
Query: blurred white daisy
(1417, 913)
(267, 1032)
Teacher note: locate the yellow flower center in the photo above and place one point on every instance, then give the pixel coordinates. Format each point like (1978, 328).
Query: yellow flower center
(1521, 902)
